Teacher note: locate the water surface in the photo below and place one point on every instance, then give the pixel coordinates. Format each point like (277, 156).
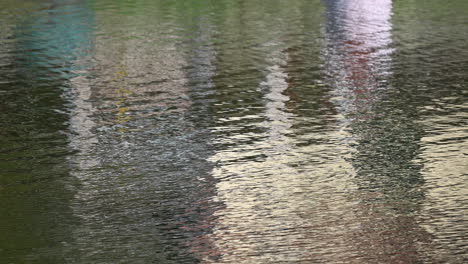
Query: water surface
(331, 131)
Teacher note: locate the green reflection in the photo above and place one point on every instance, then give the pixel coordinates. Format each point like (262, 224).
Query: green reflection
(35, 190)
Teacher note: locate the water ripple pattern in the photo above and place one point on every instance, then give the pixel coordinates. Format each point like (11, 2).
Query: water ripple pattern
(300, 131)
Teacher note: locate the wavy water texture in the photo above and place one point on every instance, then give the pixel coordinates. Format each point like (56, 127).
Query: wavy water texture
(297, 131)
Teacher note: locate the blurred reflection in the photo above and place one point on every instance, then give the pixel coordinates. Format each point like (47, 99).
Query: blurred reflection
(432, 78)
(446, 157)
(358, 54)
(253, 143)
(385, 136)
(226, 131)
(281, 174)
(253, 192)
(36, 219)
(139, 143)
(198, 217)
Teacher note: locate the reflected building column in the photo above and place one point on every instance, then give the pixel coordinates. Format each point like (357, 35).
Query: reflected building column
(202, 206)
(49, 45)
(248, 222)
(252, 167)
(358, 58)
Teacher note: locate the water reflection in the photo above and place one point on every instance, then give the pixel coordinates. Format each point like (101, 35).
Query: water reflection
(283, 186)
(232, 131)
(35, 86)
(253, 188)
(140, 143)
(200, 213)
(384, 134)
(431, 78)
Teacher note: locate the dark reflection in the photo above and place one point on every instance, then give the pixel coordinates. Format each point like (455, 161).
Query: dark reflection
(200, 213)
(430, 75)
(385, 135)
(35, 217)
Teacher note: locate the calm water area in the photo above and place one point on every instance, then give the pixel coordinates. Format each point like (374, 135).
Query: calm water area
(233, 131)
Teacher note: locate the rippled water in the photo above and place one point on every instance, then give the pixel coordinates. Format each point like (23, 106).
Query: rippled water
(233, 131)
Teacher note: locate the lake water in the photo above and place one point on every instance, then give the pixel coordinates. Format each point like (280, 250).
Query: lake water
(233, 131)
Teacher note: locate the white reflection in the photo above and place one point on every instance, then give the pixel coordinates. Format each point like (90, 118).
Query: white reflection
(446, 155)
(359, 36)
(275, 210)
(81, 122)
(279, 120)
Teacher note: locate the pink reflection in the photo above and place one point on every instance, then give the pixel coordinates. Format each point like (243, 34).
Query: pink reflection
(358, 61)
(358, 64)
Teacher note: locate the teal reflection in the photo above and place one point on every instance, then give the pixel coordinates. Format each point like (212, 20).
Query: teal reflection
(35, 188)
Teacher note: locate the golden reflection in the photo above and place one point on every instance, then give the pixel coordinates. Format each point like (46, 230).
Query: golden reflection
(280, 196)
(285, 199)
(446, 155)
